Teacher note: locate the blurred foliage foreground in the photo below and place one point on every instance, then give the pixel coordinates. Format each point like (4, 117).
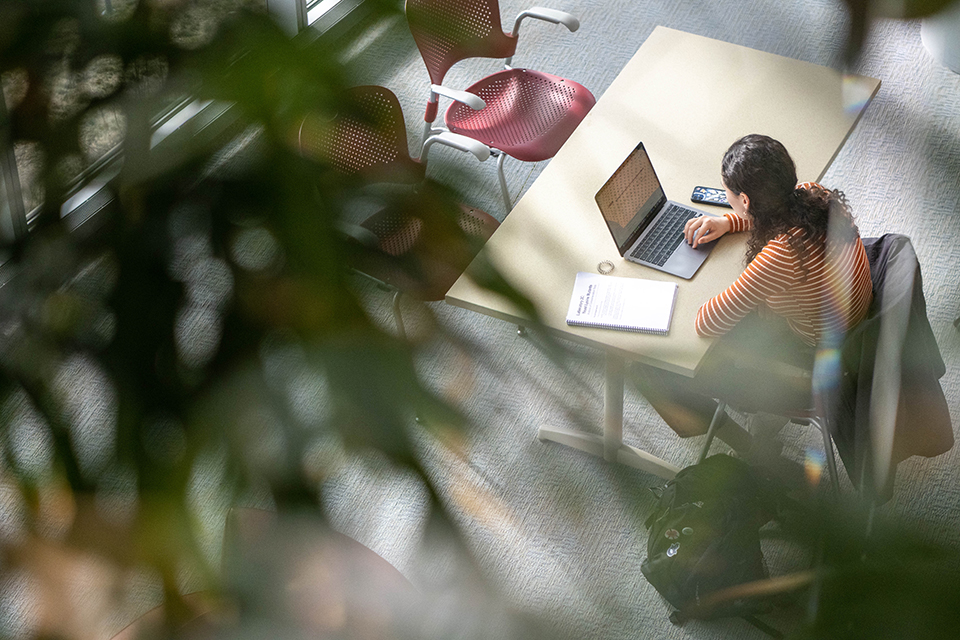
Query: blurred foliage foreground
(203, 340)
(200, 341)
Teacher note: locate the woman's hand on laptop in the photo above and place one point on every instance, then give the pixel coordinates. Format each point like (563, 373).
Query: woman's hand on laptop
(705, 229)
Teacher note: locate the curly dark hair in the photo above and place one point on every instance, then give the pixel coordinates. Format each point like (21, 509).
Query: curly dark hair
(761, 167)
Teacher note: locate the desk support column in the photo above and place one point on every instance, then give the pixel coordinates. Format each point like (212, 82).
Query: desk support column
(610, 445)
(613, 407)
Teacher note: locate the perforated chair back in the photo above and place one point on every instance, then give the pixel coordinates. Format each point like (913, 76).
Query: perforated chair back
(448, 31)
(418, 243)
(422, 253)
(368, 137)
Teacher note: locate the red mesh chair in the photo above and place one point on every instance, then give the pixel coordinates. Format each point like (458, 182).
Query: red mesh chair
(416, 243)
(522, 113)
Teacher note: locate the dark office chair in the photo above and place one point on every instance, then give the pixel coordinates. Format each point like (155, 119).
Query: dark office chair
(407, 246)
(884, 402)
(196, 620)
(891, 404)
(308, 578)
(522, 113)
(317, 581)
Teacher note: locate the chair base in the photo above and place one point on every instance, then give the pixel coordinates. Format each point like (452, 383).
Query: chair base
(817, 422)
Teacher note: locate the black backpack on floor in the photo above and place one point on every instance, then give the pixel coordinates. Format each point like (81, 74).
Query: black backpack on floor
(705, 536)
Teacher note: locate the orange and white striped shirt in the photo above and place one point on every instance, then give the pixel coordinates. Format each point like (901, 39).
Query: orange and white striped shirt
(834, 296)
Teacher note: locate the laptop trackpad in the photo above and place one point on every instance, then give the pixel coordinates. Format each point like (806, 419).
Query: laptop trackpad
(686, 260)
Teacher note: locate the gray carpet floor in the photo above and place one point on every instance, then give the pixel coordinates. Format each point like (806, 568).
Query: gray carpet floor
(556, 536)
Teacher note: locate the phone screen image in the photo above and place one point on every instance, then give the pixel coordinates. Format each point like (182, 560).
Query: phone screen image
(710, 195)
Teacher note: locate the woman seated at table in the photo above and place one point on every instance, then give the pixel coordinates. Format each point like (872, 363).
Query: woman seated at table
(807, 278)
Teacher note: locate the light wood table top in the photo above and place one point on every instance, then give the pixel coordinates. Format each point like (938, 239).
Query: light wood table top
(687, 98)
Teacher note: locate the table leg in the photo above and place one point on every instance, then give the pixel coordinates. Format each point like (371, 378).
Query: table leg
(613, 408)
(610, 446)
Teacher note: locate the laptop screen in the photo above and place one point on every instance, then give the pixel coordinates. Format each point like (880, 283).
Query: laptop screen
(631, 198)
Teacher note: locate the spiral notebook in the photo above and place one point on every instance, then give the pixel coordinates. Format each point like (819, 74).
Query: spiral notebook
(627, 304)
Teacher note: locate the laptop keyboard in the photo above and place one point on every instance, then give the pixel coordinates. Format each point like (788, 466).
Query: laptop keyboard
(660, 243)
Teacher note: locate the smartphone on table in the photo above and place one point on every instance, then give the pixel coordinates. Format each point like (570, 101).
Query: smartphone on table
(710, 195)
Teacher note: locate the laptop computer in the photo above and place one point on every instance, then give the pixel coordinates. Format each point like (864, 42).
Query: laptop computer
(646, 227)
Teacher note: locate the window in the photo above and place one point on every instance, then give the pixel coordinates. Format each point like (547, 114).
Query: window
(294, 16)
(21, 197)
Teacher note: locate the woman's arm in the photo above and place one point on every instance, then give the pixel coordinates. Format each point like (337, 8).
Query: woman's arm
(737, 223)
(773, 271)
(709, 228)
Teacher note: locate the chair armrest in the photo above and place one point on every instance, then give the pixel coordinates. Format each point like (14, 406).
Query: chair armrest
(548, 15)
(360, 234)
(472, 100)
(463, 143)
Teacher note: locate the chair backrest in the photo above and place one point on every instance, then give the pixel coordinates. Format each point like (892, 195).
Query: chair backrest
(893, 364)
(448, 31)
(368, 137)
(898, 289)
